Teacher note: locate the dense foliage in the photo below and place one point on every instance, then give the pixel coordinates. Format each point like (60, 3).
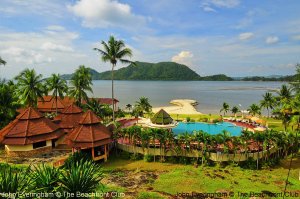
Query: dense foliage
(82, 176)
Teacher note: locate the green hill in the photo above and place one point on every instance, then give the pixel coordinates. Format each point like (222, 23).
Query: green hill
(151, 71)
(154, 71)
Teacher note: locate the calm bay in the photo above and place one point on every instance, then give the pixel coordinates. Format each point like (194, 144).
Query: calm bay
(209, 94)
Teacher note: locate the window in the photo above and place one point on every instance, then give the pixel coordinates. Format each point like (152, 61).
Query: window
(39, 144)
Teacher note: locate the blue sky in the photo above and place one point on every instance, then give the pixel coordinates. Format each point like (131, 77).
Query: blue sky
(234, 37)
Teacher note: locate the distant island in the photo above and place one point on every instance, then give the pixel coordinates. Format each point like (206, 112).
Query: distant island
(169, 71)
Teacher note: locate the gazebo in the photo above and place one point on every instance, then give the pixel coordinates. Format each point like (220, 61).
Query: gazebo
(90, 136)
(68, 120)
(161, 120)
(30, 134)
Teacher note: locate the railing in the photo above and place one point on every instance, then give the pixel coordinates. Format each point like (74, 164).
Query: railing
(217, 157)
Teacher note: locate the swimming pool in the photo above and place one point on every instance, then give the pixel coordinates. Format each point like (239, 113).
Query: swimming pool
(212, 129)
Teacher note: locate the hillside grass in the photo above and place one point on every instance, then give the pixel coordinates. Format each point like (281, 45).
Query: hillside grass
(178, 178)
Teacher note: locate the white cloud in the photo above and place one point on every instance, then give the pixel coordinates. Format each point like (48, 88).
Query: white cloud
(46, 52)
(21, 55)
(246, 36)
(272, 40)
(105, 13)
(208, 9)
(184, 57)
(58, 47)
(223, 3)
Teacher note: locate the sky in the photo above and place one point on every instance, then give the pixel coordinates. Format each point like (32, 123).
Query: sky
(232, 37)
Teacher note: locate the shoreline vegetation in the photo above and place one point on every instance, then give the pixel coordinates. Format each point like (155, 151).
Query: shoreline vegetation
(171, 71)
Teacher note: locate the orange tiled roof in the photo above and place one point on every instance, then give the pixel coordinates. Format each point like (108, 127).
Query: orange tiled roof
(29, 127)
(69, 118)
(106, 101)
(48, 103)
(90, 133)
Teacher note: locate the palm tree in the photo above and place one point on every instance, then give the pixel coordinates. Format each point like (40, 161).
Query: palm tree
(225, 108)
(59, 87)
(143, 106)
(285, 93)
(81, 82)
(101, 110)
(8, 105)
(254, 109)
(268, 102)
(29, 87)
(114, 51)
(296, 81)
(2, 62)
(235, 110)
(129, 107)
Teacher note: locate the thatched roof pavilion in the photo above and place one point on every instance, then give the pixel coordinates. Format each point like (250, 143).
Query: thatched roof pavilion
(28, 132)
(91, 135)
(161, 118)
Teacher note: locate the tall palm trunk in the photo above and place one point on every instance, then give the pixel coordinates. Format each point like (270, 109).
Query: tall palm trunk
(112, 90)
(56, 104)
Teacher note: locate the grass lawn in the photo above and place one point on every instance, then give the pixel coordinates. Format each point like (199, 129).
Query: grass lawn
(177, 178)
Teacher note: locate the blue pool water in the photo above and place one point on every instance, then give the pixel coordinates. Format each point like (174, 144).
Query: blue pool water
(209, 128)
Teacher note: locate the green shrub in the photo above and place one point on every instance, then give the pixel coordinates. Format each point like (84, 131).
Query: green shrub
(149, 195)
(136, 156)
(148, 158)
(75, 158)
(188, 119)
(125, 155)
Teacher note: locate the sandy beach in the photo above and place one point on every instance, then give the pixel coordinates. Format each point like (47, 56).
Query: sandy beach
(180, 106)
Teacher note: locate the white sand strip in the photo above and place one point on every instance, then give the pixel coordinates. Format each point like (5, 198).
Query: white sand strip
(183, 106)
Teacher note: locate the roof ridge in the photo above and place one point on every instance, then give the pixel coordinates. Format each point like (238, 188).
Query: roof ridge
(78, 132)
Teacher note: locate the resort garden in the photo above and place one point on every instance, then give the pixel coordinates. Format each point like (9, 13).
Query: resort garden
(85, 128)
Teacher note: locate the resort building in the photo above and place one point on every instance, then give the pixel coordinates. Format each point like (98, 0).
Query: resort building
(90, 136)
(68, 120)
(48, 104)
(30, 133)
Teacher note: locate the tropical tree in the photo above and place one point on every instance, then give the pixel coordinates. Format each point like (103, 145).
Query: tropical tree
(2, 62)
(58, 86)
(8, 105)
(284, 94)
(254, 109)
(143, 105)
(29, 87)
(128, 107)
(235, 110)
(101, 110)
(225, 108)
(81, 82)
(296, 81)
(114, 51)
(268, 102)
